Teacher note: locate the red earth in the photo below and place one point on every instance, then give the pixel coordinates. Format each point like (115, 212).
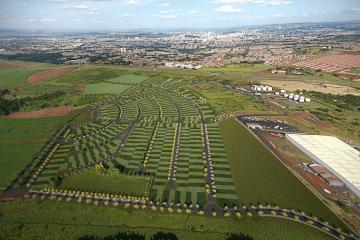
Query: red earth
(46, 112)
(312, 119)
(48, 74)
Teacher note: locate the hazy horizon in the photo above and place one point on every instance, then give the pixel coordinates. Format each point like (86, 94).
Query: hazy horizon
(112, 15)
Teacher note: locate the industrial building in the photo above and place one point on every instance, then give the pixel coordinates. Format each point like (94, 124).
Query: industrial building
(339, 158)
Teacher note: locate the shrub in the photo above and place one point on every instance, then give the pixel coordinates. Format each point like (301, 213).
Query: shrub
(239, 236)
(164, 236)
(55, 182)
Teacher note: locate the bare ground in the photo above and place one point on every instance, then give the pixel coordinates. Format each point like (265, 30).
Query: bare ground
(46, 112)
(48, 74)
(323, 88)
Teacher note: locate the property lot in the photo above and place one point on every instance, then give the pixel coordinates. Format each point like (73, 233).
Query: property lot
(260, 177)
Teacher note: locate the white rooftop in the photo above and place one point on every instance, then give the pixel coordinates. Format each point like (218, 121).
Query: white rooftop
(336, 156)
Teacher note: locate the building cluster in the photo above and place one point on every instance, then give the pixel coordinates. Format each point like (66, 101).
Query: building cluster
(279, 44)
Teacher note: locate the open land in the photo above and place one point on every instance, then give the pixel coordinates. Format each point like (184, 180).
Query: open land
(308, 86)
(159, 130)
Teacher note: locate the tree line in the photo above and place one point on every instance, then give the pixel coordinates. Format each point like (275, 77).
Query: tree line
(157, 236)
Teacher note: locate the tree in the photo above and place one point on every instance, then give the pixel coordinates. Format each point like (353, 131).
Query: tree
(55, 181)
(164, 236)
(238, 236)
(112, 171)
(100, 169)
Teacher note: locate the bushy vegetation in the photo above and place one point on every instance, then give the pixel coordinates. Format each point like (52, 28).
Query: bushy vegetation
(118, 236)
(239, 236)
(349, 102)
(54, 58)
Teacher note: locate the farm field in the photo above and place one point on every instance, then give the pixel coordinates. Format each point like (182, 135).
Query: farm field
(13, 78)
(260, 177)
(77, 220)
(90, 181)
(27, 135)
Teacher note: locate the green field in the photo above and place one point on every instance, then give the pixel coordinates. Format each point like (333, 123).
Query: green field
(90, 181)
(105, 88)
(13, 78)
(240, 68)
(151, 133)
(21, 140)
(260, 178)
(129, 79)
(226, 101)
(59, 220)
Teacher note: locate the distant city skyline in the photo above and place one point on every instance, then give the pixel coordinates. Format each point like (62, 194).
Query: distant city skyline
(87, 15)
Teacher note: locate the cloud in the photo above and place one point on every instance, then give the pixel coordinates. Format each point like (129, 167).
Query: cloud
(238, 1)
(165, 4)
(271, 2)
(228, 9)
(125, 15)
(279, 2)
(168, 16)
(77, 6)
(191, 12)
(355, 9)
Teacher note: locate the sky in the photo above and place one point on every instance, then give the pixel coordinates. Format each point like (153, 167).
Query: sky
(88, 15)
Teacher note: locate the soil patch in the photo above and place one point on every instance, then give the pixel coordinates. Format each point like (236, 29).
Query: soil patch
(46, 112)
(10, 65)
(48, 74)
(312, 119)
(323, 88)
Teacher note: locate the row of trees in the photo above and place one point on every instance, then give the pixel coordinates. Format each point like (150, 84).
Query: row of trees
(157, 236)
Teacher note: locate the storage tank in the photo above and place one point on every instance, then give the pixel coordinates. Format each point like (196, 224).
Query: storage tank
(296, 97)
(307, 100)
(286, 95)
(269, 89)
(258, 88)
(283, 91)
(301, 100)
(291, 96)
(277, 93)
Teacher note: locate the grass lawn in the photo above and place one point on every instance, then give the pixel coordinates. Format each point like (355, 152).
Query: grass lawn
(260, 177)
(61, 220)
(20, 140)
(90, 181)
(129, 78)
(105, 88)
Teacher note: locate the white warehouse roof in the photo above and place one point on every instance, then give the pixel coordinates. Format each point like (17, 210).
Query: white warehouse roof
(336, 156)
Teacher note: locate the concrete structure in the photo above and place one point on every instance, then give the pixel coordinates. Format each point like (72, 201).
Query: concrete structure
(339, 158)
